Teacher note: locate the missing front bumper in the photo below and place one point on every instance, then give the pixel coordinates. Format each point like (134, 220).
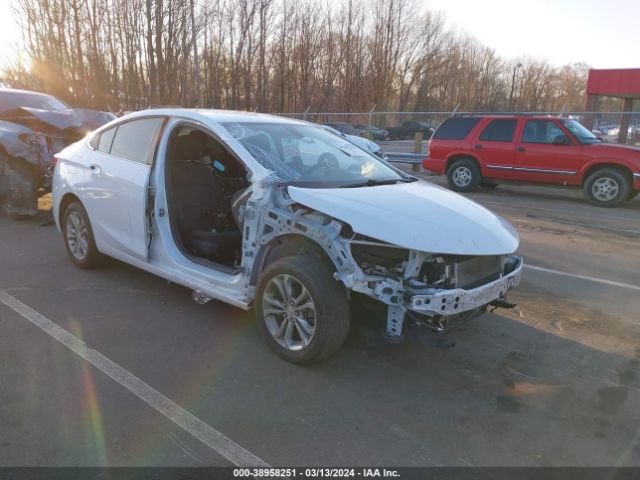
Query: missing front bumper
(441, 304)
(459, 300)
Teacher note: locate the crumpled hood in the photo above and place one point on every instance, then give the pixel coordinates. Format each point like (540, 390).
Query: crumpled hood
(418, 216)
(78, 117)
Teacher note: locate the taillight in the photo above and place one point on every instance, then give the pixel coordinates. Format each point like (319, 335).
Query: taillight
(30, 140)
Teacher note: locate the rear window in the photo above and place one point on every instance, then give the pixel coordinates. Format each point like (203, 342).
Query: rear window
(499, 131)
(135, 140)
(456, 128)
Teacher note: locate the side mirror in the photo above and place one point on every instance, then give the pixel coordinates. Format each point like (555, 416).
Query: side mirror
(561, 140)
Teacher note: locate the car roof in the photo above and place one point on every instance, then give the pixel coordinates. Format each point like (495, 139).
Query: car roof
(214, 115)
(22, 92)
(11, 98)
(505, 116)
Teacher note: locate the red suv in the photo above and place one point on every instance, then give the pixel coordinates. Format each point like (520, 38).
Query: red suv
(489, 149)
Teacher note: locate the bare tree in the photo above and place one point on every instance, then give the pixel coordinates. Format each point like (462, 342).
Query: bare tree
(273, 55)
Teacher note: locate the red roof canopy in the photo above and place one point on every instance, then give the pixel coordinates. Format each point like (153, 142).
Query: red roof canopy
(614, 82)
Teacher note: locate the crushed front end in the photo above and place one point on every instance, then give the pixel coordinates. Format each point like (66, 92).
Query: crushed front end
(29, 138)
(430, 289)
(25, 163)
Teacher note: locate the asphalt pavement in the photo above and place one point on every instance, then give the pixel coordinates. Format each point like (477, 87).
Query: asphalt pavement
(157, 380)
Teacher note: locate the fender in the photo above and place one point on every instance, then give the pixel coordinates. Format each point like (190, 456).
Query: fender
(461, 153)
(622, 163)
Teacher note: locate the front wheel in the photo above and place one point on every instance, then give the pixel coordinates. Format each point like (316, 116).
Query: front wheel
(301, 309)
(464, 175)
(607, 187)
(78, 237)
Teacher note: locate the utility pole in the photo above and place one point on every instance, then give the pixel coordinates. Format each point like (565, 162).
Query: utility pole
(513, 84)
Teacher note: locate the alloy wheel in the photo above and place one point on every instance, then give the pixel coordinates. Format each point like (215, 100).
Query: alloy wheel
(289, 312)
(77, 235)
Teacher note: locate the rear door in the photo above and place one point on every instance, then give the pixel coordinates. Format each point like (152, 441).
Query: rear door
(541, 157)
(496, 148)
(117, 195)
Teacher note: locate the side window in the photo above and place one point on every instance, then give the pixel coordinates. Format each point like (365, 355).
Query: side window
(541, 131)
(456, 128)
(499, 131)
(136, 140)
(95, 138)
(106, 138)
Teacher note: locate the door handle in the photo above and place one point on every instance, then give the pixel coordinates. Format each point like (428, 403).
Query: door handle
(478, 147)
(520, 149)
(95, 168)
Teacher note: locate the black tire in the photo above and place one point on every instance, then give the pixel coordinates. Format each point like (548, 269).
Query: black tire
(464, 175)
(607, 187)
(633, 194)
(489, 185)
(331, 311)
(87, 255)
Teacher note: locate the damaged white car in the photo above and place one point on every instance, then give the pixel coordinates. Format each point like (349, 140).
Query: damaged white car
(283, 217)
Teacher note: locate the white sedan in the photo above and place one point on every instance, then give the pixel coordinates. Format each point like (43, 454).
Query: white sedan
(283, 217)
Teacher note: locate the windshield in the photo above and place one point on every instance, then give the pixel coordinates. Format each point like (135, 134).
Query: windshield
(581, 133)
(306, 155)
(11, 100)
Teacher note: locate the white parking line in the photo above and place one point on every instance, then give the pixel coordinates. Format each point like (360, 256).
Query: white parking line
(208, 435)
(583, 277)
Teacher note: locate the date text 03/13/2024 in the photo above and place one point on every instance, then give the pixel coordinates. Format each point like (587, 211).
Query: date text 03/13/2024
(315, 473)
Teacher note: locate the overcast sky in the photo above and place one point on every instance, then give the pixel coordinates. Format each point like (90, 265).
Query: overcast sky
(602, 33)
(8, 32)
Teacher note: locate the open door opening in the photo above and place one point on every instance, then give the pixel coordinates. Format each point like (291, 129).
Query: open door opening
(207, 188)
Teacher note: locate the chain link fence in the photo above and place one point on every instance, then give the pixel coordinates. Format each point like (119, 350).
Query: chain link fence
(605, 124)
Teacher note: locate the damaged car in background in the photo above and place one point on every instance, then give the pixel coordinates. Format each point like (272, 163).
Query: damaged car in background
(33, 127)
(282, 217)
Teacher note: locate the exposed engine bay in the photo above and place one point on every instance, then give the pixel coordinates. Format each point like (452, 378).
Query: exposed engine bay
(433, 272)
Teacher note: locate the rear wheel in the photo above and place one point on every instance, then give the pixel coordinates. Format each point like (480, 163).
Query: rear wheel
(78, 237)
(301, 309)
(464, 175)
(607, 187)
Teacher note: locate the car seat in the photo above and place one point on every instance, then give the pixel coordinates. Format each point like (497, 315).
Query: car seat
(199, 199)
